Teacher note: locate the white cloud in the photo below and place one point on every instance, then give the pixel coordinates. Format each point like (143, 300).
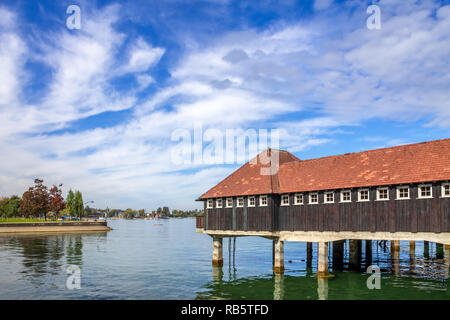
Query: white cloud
(142, 56)
(250, 78)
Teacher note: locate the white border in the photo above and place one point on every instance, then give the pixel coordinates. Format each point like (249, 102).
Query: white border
(419, 191)
(342, 196)
(248, 201)
(442, 190)
(217, 203)
(378, 194)
(260, 200)
(368, 195)
(281, 202)
(226, 203)
(398, 193)
(309, 198)
(325, 197)
(295, 199)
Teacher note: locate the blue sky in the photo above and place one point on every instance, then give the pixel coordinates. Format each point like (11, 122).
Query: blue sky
(96, 108)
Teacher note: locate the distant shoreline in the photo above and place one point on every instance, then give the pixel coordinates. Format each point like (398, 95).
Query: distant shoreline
(69, 226)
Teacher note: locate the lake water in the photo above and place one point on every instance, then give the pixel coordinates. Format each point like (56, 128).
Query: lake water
(140, 259)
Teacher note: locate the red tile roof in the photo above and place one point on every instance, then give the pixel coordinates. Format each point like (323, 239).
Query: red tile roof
(420, 162)
(248, 180)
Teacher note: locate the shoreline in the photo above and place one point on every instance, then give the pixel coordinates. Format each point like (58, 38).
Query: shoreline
(36, 227)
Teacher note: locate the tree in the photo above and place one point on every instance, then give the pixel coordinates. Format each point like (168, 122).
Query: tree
(70, 202)
(79, 205)
(3, 205)
(57, 203)
(35, 201)
(166, 211)
(13, 207)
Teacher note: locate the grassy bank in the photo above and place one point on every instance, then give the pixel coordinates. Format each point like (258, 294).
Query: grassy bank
(20, 220)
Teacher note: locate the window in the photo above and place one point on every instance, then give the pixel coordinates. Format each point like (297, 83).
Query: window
(209, 204)
(383, 194)
(229, 203)
(425, 191)
(403, 192)
(219, 203)
(240, 202)
(313, 198)
(329, 197)
(363, 195)
(346, 196)
(262, 201)
(298, 199)
(285, 200)
(251, 201)
(446, 189)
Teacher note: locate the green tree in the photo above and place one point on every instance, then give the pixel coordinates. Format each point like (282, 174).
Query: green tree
(166, 211)
(12, 209)
(79, 205)
(3, 205)
(70, 202)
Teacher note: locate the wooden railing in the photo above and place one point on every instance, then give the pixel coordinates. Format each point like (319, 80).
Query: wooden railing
(200, 222)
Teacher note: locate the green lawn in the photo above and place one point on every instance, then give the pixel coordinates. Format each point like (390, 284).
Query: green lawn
(16, 220)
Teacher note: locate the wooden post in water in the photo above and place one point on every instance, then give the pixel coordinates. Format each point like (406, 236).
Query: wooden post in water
(412, 248)
(278, 256)
(395, 257)
(322, 260)
(447, 257)
(309, 252)
(217, 252)
(412, 256)
(426, 249)
(368, 255)
(439, 251)
(338, 254)
(354, 254)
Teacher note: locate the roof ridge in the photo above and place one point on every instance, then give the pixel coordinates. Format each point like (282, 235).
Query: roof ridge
(373, 150)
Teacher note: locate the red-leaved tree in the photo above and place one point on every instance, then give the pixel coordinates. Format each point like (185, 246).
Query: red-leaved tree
(57, 203)
(35, 201)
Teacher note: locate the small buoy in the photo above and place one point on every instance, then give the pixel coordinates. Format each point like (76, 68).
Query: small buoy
(290, 261)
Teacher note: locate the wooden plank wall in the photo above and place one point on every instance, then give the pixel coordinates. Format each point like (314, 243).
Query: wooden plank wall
(413, 215)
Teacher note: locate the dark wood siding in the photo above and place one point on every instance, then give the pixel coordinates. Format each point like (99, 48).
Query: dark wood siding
(412, 215)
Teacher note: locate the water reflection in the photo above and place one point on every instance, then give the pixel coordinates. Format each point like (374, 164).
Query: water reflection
(45, 255)
(278, 288)
(322, 288)
(406, 274)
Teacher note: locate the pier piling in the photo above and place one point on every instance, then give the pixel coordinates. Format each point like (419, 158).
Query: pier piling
(368, 253)
(278, 256)
(354, 254)
(309, 252)
(395, 257)
(217, 252)
(338, 255)
(426, 249)
(322, 260)
(439, 251)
